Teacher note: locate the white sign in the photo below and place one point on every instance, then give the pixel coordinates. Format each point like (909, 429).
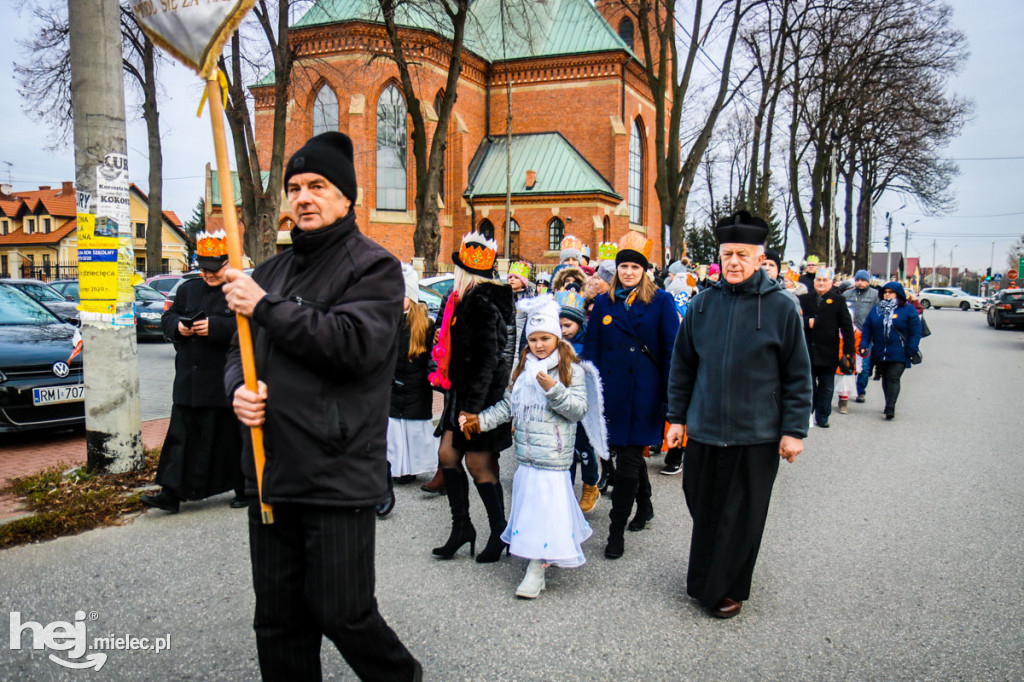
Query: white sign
(194, 31)
(112, 192)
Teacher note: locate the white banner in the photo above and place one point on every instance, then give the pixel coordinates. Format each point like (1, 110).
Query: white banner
(194, 31)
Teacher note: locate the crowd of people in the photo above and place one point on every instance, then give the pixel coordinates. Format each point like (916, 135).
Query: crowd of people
(593, 367)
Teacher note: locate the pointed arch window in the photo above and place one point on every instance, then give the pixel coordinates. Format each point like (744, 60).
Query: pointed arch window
(486, 228)
(626, 31)
(392, 150)
(556, 232)
(325, 111)
(636, 174)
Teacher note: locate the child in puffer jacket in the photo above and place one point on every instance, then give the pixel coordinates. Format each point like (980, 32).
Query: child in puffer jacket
(551, 391)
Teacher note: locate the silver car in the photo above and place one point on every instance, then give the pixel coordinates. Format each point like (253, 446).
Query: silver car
(950, 297)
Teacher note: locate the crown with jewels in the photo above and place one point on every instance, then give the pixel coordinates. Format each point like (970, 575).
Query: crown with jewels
(572, 242)
(520, 268)
(211, 245)
(607, 250)
(634, 241)
(477, 251)
(570, 299)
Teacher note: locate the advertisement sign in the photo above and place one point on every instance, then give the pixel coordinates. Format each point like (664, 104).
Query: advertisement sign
(97, 264)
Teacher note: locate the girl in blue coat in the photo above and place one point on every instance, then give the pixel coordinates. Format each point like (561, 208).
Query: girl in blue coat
(891, 335)
(630, 337)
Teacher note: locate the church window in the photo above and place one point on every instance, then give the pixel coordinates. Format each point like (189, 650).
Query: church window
(325, 111)
(392, 150)
(636, 174)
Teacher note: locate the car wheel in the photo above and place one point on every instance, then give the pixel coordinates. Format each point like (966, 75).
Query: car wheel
(998, 323)
(988, 318)
(964, 305)
(925, 303)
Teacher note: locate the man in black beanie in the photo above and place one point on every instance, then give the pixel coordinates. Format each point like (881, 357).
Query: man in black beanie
(325, 316)
(741, 383)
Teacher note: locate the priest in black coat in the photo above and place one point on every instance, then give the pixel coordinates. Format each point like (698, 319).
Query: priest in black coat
(826, 317)
(202, 452)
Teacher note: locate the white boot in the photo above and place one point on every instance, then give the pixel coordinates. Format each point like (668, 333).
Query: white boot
(533, 583)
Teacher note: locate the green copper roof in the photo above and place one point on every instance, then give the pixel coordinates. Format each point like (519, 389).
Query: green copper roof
(235, 187)
(560, 168)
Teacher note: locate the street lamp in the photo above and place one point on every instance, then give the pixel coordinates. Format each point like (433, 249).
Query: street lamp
(906, 244)
(888, 241)
(951, 265)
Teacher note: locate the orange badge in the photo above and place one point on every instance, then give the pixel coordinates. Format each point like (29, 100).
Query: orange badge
(828, 300)
(607, 320)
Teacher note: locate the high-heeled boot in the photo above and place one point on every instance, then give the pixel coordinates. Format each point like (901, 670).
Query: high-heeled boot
(644, 508)
(494, 503)
(623, 495)
(457, 483)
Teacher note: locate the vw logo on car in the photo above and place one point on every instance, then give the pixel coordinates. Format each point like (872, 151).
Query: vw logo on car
(61, 369)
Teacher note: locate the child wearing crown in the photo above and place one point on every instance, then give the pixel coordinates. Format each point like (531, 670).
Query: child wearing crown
(551, 391)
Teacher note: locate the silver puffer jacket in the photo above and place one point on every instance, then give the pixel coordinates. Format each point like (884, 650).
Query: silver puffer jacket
(547, 442)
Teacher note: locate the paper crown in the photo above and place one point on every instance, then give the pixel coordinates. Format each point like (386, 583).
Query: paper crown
(607, 250)
(825, 273)
(634, 241)
(477, 253)
(586, 251)
(521, 269)
(691, 279)
(570, 299)
(792, 275)
(572, 242)
(211, 245)
(812, 260)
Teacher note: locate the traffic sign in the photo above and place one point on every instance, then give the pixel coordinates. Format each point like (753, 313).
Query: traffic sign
(1020, 264)
(1012, 274)
(997, 277)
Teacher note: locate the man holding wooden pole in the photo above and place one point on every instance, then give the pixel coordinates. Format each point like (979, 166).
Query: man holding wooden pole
(324, 315)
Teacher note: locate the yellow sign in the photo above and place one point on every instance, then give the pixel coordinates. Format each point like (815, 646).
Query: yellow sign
(97, 264)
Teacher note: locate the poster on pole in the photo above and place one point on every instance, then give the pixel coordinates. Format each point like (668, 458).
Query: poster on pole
(113, 209)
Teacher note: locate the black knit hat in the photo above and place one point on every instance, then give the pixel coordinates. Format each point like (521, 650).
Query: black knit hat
(741, 228)
(330, 155)
(775, 257)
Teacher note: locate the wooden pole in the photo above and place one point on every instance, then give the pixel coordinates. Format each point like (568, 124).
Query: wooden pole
(227, 202)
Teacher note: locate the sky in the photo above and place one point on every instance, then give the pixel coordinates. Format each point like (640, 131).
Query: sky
(990, 191)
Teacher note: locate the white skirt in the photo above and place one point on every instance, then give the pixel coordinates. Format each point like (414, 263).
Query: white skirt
(412, 447)
(546, 522)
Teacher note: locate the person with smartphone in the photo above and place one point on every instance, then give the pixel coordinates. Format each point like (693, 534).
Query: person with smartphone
(202, 452)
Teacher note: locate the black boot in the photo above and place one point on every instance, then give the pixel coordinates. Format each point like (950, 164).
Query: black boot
(644, 508)
(457, 484)
(623, 495)
(165, 500)
(607, 475)
(494, 503)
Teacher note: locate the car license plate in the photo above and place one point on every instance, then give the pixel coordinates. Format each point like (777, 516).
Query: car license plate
(52, 395)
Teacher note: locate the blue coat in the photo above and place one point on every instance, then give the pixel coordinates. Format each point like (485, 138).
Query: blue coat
(892, 348)
(635, 387)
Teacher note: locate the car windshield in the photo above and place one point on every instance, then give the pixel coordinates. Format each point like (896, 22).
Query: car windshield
(165, 284)
(18, 308)
(146, 294)
(39, 292)
(1015, 297)
(429, 296)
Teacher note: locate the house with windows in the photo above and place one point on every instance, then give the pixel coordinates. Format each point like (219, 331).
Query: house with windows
(566, 72)
(38, 234)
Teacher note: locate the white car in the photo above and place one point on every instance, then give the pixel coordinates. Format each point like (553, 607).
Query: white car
(442, 284)
(950, 297)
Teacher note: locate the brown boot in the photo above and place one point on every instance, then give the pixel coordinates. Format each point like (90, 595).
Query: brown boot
(843, 403)
(436, 484)
(589, 498)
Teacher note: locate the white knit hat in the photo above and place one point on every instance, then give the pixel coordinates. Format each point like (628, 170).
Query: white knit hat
(541, 315)
(412, 282)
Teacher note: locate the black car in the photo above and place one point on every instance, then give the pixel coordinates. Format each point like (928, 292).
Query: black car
(51, 299)
(1007, 308)
(40, 383)
(149, 307)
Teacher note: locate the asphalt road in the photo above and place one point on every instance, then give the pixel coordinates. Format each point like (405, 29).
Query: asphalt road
(156, 378)
(892, 551)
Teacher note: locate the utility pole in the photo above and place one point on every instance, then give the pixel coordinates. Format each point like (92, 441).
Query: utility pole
(112, 413)
(935, 265)
(888, 247)
(951, 266)
(832, 255)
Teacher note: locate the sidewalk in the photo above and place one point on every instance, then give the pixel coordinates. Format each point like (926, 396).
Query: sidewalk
(31, 454)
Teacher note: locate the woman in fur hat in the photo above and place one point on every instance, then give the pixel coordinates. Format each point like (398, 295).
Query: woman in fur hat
(473, 369)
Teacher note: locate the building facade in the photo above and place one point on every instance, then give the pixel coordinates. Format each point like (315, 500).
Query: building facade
(582, 121)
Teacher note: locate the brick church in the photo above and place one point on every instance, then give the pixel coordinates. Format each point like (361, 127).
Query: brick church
(582, 121)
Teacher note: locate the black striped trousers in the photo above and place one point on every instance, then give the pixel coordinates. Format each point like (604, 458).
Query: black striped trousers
(313, 574)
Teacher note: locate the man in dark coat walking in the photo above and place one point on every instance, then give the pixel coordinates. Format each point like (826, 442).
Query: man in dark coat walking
(826, 317)
(741, 382)
(325, 317)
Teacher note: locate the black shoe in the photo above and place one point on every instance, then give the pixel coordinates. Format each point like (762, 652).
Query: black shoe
(890, 413)
(616, 546)
(406, 480)
(164, 500)
(494, 502)
(462, 532)
(821, 425)
(240, 502)
(860, 399)
(387, 506)
(671, 469)
(641, 519)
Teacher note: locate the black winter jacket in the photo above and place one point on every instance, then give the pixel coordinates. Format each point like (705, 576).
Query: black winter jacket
(325, 341)
(411, 394)
(199, 362)
(740, 371)
(831, 318)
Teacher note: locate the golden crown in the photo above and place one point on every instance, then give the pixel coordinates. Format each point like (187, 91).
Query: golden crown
(478, 252)
(635, 241)
(572, 242)
(211, 245)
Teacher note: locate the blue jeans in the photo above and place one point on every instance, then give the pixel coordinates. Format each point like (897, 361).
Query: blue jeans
(583, 453)
(865, 375)
(824, 386)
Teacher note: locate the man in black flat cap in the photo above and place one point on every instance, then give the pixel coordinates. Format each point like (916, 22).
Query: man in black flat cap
(741, 383)
(325, 316)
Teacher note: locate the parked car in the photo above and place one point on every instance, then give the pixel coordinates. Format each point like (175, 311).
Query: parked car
(163, 283)
(432, 300)
(442, 284)
(51, 299)
(1007, 308)
(40, 384)
(149, 307)
(949, 297)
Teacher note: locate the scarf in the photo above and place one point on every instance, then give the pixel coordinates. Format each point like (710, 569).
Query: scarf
(528, 401)
(627, 295)
(887, 309)
(442, 352)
